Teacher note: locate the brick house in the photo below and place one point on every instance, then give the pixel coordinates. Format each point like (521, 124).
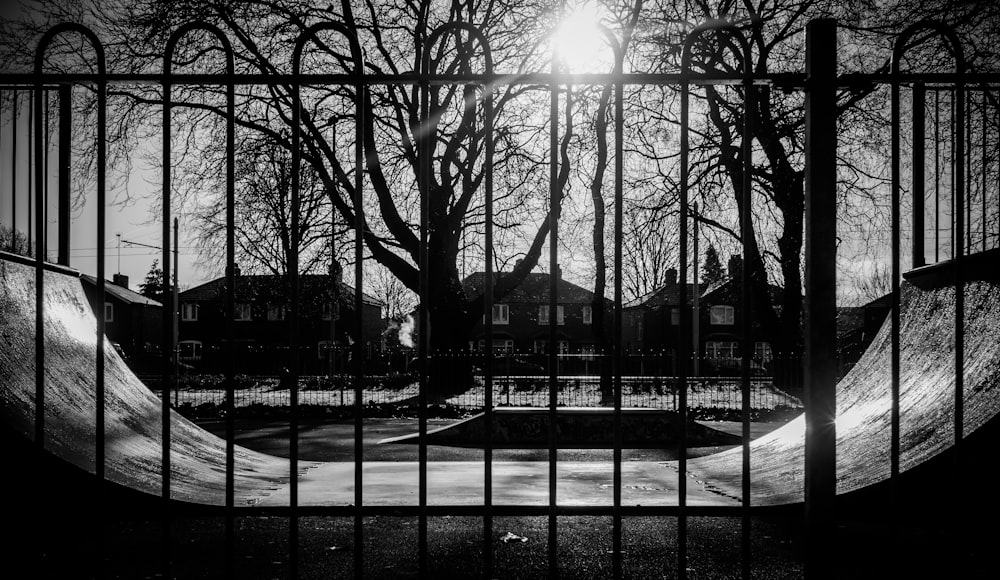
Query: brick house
(651, 325)
(132, 321)
(261, 326)
(522, 321)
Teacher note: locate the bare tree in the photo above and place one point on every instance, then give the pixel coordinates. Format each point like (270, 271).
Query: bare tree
(264, 217)
(773, 30)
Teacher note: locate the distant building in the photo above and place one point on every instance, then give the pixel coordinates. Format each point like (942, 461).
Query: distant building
(522, 321)
(651, 324)
(132, 321)
(261, 327)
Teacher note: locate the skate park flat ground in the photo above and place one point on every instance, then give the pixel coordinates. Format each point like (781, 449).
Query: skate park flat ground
(455, 475)
(334, 441)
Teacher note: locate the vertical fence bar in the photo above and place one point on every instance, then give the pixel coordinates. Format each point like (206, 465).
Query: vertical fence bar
(293, 294)
(230, 404)
(13, 169)
(30, 152)
(967, 161)
(40, 246)
(359, 367)
(747, 235)
(168, 342)
(488, 112)
(917, 179)
(937, 175)
(695, 299)
(983, 166)
(683, 347)
(821, 299)
(616, 370)
(99, 428)
(426, 148)
(953, 126)
(960, 201)
(554, 205)
(360, 95)
(44, 160)
(65, 161)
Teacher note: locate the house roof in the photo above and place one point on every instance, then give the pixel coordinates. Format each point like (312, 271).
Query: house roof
(123, 294)
(534, 288)
(669, 295)
(729, 280)
(271, 287)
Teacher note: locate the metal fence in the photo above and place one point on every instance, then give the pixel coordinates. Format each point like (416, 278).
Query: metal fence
(705, 393)
(819, 83)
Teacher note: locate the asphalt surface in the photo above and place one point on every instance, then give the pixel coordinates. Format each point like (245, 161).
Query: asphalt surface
(334, 441)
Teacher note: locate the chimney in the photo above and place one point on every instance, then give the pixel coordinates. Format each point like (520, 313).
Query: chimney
(120, 280)
(671, 276)
(518, 262)
(236, 270)
(735, 266)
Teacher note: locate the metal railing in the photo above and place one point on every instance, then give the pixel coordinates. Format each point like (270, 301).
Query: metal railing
(819, 84)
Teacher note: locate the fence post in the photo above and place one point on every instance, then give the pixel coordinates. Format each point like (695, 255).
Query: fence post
(919, 104)
(820, 299)
(65, 162)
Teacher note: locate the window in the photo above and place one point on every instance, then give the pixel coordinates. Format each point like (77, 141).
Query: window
(323, 349)
(109, 312)
(675, 316)
(563, 347)
(540, 346)
(327, 311)
(543, 314)
(242, 311)
(762, 351)
(275, 312)
(724, 349)
(722, 315)
(501, 314)
(189, 312)
(499, 344)
(189, 350)
(588, 315)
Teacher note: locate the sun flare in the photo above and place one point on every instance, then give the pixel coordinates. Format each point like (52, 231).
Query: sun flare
(578, 42)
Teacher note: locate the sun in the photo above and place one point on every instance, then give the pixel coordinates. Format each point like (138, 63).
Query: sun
(578, 43)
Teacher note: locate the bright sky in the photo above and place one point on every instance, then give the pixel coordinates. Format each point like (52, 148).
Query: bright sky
(132, 220)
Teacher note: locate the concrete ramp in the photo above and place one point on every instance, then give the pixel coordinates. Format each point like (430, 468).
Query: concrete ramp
(133, 413)
(927, 395)
(132, 440)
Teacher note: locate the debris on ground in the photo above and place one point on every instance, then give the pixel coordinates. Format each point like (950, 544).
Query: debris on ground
(511, 537)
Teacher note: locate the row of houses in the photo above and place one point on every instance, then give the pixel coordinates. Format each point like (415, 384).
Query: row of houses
(522, 323)
(261, 326)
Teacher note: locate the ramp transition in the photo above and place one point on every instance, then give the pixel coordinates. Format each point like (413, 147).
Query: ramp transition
(133, 422)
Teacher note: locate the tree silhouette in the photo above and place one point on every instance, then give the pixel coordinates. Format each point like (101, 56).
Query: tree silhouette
(712, 271)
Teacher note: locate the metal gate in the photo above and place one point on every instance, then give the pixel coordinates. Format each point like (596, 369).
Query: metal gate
(819, 83)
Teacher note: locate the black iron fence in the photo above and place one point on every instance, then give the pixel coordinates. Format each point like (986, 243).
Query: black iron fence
(656, 392)
(819, 84)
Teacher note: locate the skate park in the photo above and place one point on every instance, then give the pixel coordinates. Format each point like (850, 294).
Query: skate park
(888, 457)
